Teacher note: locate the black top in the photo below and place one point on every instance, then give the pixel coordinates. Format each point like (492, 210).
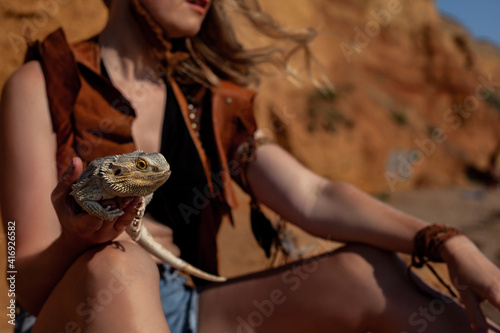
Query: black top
(178, 203)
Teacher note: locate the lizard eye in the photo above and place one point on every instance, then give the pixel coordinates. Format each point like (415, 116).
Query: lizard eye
(141, 165)
(117, 172)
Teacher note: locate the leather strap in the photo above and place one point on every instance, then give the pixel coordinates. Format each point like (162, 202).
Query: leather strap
(428, 244)
(429, 241)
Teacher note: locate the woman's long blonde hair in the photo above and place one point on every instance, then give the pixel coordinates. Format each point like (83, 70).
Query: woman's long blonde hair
(217, 46)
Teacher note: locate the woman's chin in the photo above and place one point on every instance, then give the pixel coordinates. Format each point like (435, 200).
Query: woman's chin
(188, 28)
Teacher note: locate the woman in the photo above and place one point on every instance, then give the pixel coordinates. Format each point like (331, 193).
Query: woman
(148, 76)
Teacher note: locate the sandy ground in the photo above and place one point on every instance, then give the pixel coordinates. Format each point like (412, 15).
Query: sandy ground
(476, 211)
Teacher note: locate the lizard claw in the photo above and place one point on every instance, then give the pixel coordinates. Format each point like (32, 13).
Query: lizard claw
(109, 214)
(115, 211)
(108, 210)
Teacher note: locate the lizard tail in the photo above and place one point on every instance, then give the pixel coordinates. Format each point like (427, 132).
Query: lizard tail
(147, 242)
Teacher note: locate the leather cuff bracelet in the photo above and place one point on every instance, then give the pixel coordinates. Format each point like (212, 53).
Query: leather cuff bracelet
(429, 241)
(428, 244)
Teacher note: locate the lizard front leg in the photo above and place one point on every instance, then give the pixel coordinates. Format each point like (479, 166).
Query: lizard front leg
(88, 198)
(95, 208)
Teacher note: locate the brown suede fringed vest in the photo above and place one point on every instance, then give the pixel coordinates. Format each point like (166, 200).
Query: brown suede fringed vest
(93, 119)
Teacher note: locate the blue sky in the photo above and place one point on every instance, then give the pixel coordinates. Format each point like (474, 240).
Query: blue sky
(480, 17)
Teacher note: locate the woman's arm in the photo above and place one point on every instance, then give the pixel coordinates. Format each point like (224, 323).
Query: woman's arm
(28, 176)
(335, 211)
(48, 240)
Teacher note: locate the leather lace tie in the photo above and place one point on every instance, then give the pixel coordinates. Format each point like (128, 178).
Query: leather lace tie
(428, 244)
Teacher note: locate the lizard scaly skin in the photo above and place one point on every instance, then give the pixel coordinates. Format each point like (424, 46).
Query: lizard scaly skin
(132, 174)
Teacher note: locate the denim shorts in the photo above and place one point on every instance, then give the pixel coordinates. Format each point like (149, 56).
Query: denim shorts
(179, 302)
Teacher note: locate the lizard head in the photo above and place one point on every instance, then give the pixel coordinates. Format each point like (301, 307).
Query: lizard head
(134, 174)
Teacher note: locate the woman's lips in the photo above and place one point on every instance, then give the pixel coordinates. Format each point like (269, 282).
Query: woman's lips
(199, 5)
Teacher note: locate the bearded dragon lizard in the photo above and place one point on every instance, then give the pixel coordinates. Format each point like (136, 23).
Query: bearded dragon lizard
(132, 174)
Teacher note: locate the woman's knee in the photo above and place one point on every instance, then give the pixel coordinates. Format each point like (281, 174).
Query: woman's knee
(364, 262)
(365, 273)
(116, 265)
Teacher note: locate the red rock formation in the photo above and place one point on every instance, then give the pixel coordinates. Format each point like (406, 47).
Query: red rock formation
(415, 95)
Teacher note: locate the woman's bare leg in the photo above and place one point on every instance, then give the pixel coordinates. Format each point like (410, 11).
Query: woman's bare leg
(354, 289)
(114, 288)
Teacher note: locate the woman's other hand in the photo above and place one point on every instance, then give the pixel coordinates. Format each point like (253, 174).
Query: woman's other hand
(475, 277)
